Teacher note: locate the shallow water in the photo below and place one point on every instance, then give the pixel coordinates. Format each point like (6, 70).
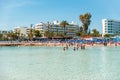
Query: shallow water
(52, 63)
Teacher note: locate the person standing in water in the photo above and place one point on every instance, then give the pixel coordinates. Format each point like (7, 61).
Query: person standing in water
(77, 46)
(83, 47)
(64, 48)
(74, 48)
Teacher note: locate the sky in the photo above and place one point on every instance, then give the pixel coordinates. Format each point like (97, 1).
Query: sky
(14, 13)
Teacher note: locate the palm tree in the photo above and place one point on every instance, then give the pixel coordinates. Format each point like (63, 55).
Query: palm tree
(48, 26)
(37, 33)
(1, 36)
(85, 19)
(49, 34)
(30, 35)
(17, 32)
(64, 24)
(95, 33)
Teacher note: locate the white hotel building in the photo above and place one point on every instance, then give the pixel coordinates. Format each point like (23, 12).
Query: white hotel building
(71, 29)
(41, 27)
(110, 26)
(22, 30)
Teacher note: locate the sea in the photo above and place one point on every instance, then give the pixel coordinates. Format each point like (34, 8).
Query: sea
(53, 63)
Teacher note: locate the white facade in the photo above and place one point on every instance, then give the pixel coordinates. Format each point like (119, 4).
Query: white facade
(71, 29)
(41, 27)
(22, 30)
(56, 22)
(73, 23)
(110, 26)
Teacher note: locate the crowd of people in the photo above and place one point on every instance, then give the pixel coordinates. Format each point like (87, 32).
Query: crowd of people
(66, 43)
(75, 46)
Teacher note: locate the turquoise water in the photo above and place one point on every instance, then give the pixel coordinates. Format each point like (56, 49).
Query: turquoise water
(52, 63)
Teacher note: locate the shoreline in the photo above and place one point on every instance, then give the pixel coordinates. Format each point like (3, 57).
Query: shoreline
(63, 44)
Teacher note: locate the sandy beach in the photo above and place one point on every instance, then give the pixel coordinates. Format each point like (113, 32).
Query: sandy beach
(34, 43)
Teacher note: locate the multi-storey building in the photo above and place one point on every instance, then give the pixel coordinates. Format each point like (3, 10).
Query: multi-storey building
(41, 27)
(5, 34)
(110, 26)
(23, 31)
(70, 29)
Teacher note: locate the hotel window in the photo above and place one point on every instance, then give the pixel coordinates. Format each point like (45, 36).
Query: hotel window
(109, 31)
(105, 26)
